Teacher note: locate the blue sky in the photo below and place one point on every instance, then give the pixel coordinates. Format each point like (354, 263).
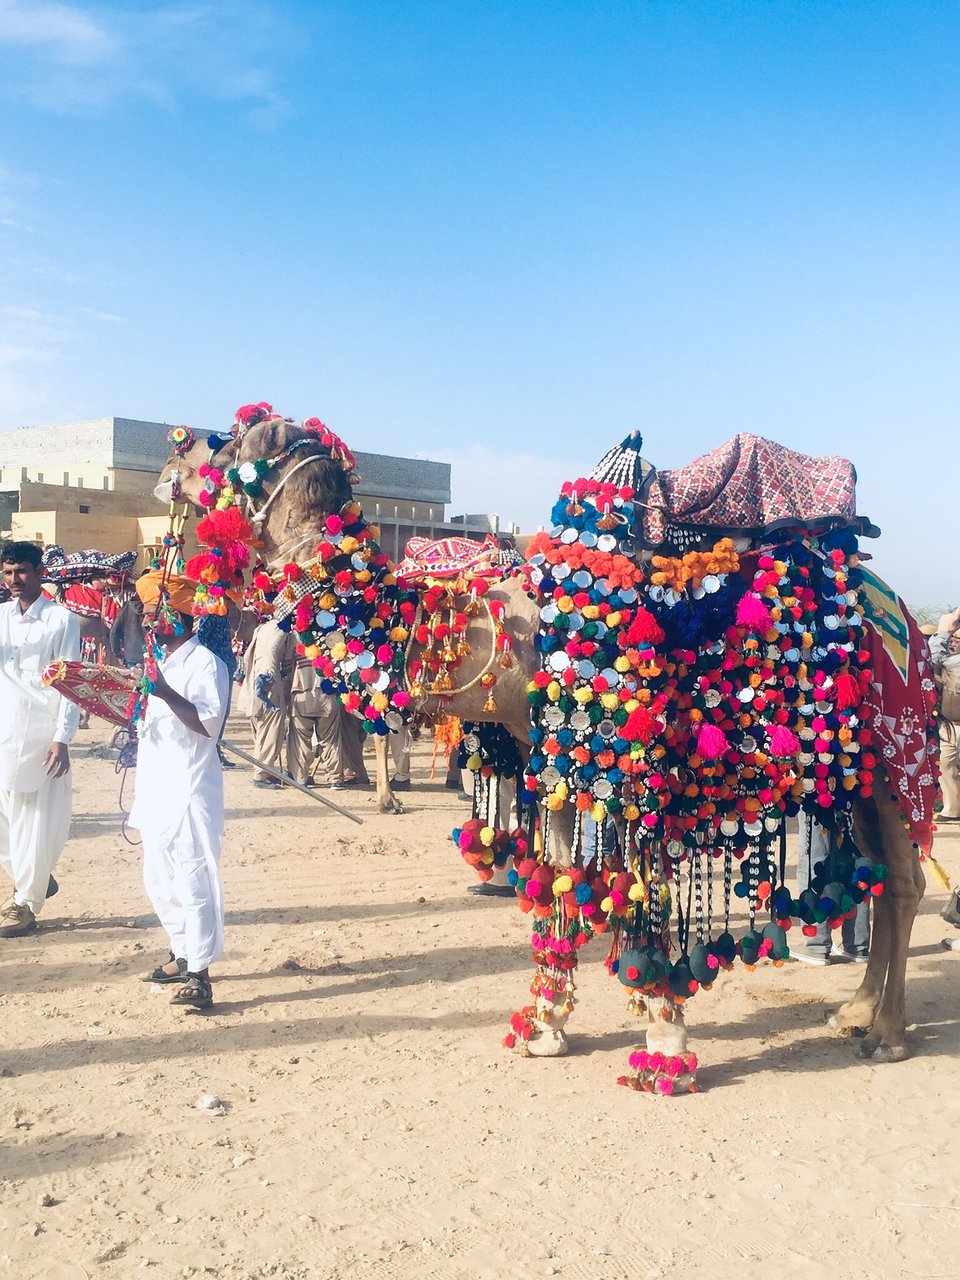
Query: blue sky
(500, 235)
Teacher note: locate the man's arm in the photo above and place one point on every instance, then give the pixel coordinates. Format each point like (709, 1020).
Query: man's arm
(184, 710)
(57, 757)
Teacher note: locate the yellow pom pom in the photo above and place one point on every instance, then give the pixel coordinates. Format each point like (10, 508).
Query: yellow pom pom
(622, 663)
(338, 652)
(598, 810)
(610, 701)
(631, 812)
(606, 905)
(635, 893)
(613, 618)
(554, 802)
(473, 763)
(486, 836)
(583, 695)
(562, 884)
(553, 691)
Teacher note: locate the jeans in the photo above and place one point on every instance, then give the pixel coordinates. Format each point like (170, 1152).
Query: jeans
(855, 933)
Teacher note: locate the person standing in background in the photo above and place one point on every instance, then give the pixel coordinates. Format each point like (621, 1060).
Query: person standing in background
(37, 725)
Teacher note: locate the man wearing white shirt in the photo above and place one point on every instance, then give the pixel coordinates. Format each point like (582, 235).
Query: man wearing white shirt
(178, 805)
(36, 726)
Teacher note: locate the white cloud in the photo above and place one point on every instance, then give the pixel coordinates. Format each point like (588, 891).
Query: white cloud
(222, 51)
(66, 33)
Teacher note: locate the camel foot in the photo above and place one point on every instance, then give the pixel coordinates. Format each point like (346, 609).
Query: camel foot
(870, 1051)
(392, 805)
(548, 1043)
(852, 1019)
(656, 1073)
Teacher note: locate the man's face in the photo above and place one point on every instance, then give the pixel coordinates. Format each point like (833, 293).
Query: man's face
(23, 580)
(953, 644)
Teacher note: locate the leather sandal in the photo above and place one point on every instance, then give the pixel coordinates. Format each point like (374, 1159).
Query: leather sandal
(195, 991)
(160, 976)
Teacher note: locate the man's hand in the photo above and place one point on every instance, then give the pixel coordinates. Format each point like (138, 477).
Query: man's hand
(160, 688)
(57, 759)
(949, 622)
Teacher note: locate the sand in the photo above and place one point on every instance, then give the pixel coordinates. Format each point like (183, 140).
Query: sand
(372, 1123)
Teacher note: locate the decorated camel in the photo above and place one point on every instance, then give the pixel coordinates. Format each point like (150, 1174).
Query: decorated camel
(685, 660)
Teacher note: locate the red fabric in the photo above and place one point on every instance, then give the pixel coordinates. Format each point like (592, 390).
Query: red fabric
(899, 707)
(447, 558)
(750, 483)
(82, 600)
(103, 691)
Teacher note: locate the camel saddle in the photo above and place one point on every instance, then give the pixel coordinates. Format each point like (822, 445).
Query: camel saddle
(442, 559)
(752, 487)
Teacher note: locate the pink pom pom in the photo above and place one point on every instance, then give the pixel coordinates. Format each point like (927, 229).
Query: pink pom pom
(711, 742)
(464, 840)
(752, 613)
(384, 653)
(334, 524)
(783, 741)
(401, 698)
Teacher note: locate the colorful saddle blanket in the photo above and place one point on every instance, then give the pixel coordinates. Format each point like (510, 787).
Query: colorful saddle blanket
(429, 558)
(754, 486)
(103, 691)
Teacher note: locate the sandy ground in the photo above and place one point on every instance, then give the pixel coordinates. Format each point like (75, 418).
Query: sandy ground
(375, 1126)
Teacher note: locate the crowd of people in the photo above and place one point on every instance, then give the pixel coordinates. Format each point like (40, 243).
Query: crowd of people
(299, 730)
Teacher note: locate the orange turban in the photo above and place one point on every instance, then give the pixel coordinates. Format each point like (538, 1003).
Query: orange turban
(180, 590)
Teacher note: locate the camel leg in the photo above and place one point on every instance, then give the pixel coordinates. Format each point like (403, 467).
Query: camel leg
(387, 802)
(541, 1026)
(879, 1003)
(859, 1013)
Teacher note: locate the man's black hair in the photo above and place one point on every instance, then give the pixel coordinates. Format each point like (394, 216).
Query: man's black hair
(21, 553)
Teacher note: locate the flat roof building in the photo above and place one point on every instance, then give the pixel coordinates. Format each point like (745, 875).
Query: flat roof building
(90, 484)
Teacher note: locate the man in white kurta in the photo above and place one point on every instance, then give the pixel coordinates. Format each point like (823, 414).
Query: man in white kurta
(36, 726)
(178, 808)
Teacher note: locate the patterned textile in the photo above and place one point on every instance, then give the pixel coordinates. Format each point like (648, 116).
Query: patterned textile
(448, 558)
(752, 485)
(902, 688)
(103, 691)
(85, 602)
(78, 566)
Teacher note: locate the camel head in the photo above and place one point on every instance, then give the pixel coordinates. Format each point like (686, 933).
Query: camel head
(180, 480)
(308, 480)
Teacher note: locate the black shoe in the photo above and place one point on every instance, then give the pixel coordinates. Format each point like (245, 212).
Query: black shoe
(396, 785)
(950, 912)
(52, 888)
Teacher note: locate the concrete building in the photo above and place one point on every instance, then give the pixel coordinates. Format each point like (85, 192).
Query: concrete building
(90, 484)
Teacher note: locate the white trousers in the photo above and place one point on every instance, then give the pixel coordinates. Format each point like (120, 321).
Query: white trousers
(183, 884)
(400, 744)
(34, 826)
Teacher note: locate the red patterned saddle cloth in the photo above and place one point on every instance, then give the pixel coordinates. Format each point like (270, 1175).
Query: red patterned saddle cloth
(103, 691)
(752, 485)
(433, 558)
